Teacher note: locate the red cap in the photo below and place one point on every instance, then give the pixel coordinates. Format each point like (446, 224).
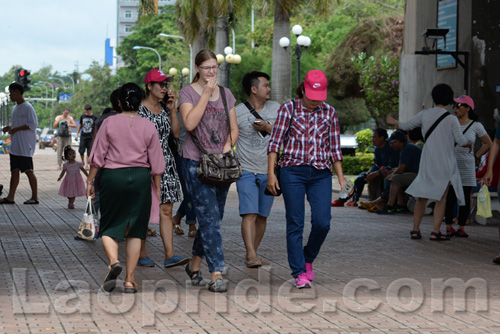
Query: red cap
(315, 85)
(156, 76)
(465, 99)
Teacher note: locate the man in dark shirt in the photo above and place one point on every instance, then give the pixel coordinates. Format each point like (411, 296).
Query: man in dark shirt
(87, 122)
(403, 176)
(384, 160)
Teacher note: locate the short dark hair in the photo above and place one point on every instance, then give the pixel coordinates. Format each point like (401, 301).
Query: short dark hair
(416, 134)
(251, 79)
(88, 107)
(113, 98)
(16, 86)
(442, 94)
(381, 132)
(131, 96)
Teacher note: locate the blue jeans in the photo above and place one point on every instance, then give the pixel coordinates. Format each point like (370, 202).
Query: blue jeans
(186, 207)
(208, 203)
(297, 182)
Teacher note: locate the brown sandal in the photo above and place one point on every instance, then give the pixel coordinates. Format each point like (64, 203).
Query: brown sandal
(192, 233)
(178, 229)
(151, 233)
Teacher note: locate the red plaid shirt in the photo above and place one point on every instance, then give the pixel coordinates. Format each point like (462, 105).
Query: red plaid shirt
(314, 136)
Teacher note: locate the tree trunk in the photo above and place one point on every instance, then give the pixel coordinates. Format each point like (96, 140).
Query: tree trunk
(198, 45)
(221, 41)
(281, 72)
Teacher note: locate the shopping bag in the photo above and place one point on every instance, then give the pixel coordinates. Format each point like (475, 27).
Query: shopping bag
(484, 202)
(89, 226)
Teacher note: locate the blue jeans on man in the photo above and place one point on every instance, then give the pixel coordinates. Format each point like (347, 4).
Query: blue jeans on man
(208, 202)
(297, 182)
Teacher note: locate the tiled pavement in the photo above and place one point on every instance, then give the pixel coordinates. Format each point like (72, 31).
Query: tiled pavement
(370, 277)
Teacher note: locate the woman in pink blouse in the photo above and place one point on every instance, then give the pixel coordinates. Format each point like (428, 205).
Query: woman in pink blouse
(128, 151)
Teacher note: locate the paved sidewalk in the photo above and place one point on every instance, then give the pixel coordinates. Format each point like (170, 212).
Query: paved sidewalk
(370, 277)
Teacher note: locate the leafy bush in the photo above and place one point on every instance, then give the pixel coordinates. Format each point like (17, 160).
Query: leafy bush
(355, 165)
(364, 139)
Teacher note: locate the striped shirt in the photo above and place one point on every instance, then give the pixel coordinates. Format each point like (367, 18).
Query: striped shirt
(465, 158)
(314, 137)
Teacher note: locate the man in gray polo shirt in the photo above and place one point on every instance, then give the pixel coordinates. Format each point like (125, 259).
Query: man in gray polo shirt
(255, 122)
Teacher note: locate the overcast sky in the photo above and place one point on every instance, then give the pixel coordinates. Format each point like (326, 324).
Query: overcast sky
(61, 33)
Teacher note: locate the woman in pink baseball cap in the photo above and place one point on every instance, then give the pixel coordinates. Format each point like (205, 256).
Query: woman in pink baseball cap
(466, 162)
(308, 129)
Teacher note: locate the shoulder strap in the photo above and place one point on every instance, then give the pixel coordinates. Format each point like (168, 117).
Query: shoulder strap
(224, 102)
(252, 110)
(435, 124)
(467, 128)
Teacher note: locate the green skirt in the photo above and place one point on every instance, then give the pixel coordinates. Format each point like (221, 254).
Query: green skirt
(125, 200)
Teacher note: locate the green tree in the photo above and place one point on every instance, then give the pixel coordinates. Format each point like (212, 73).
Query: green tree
(95, 88)
(379, 79)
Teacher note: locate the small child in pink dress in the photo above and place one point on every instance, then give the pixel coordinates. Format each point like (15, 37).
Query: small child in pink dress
(72, 186)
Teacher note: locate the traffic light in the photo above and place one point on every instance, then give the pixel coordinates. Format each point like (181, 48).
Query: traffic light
(23, 79)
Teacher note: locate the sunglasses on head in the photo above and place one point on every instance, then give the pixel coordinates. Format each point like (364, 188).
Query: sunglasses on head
(458, 105)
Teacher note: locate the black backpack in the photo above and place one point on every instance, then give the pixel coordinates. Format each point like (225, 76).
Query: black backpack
(63, 130)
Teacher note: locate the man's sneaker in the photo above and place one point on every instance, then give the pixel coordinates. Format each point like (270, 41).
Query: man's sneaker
(302, 282)
(401, 209)
(309, 271)
(387, 210)
(337, 202)
(351, 203)
(145, 262)
(175, 260)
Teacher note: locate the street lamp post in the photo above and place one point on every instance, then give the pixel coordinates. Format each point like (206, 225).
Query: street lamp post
(72, 81)
(137, 47)
(303, 43)
(46, 92)
(54, 78)
(190, 53)
(230, 59)
(184, 74)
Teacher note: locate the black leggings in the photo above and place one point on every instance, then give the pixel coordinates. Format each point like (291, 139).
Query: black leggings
(463, 211)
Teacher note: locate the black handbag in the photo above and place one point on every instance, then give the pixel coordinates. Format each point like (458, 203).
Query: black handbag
(277, 165)
(218, 168)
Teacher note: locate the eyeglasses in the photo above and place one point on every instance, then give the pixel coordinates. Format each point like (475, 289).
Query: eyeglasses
(163, 84)
(458, 105)
(208, 68)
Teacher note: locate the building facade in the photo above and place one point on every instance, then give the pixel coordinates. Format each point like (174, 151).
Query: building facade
(473, 32)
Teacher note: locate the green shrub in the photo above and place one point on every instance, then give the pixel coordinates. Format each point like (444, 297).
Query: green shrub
(364, 139)
(355, 165)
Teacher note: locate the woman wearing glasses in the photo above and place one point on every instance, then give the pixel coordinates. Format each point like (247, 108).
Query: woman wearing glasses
(165, 120)
(438, 165)
(466, 161)
(204, 116)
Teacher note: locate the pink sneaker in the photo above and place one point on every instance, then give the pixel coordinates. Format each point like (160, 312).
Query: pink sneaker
(309, 271)
(302, 281)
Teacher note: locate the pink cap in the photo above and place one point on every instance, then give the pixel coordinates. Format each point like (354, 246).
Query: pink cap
(465, 99)
(315, 85)
(156, 76)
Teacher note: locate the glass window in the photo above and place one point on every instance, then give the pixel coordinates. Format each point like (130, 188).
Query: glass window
(128, 28)
(128, 14)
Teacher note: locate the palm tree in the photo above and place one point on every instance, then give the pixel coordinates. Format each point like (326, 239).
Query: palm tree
(202, 20)
(281, 70)
(147, 7)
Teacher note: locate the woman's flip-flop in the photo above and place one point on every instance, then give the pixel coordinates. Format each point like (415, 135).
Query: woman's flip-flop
(6, 201)
(31, 201)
